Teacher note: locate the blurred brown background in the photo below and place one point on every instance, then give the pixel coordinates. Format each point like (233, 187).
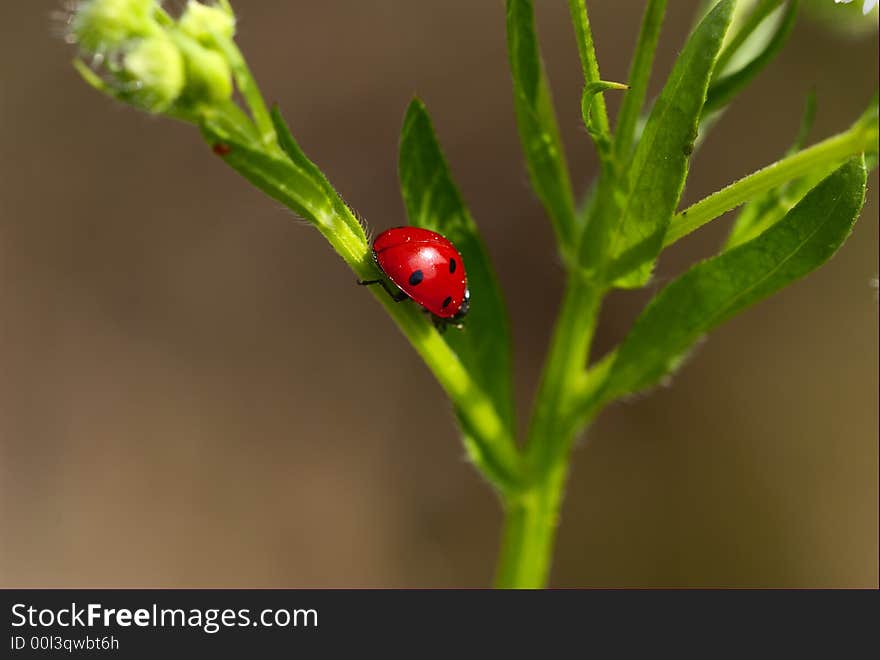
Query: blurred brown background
(193, 392)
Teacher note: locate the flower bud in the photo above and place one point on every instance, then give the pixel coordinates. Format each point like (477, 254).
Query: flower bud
(205, 22)
(147, 59)
(208, 76)
(102, 25)
(156, 68)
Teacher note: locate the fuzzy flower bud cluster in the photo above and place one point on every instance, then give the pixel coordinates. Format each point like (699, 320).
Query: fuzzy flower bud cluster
(143, 56)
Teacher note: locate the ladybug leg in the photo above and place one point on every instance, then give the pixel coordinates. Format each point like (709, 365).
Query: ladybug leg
(439, 324)
(396, 297)
(442, 324)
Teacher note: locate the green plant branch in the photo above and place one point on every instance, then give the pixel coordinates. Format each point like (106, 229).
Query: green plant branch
(530, 528)
(824, 156)
(490, 445)
(586, 397)
(184, 69)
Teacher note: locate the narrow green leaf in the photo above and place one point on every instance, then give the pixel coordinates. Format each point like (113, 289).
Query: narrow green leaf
(234, 122)
(291, 185)
(722, 91)
(290, 146)
(247, 88)
(639, 76)
(718, 288)
(806, 125)
(589, 65)
(432, 201)
(753, 25)
(734, 46)
(536, 121)
(278, 178)
(622, 247)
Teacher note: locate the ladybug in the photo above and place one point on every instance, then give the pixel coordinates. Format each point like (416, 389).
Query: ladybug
(427, 268)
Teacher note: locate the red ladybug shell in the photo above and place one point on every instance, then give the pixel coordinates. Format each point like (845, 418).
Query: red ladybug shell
(426, 267)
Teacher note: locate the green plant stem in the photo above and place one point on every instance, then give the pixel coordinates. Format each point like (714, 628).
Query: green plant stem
(827, 154)
(589, 64)
(530, 526)
(531, 516)
(563, 372)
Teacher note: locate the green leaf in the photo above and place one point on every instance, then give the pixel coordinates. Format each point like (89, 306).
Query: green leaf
(297, 189)
(536, 121)
(752, 26)
(722, 91)
(287, 142)
(639, 75)
(279, 178)
(718, 288)
(247, 87)
(432, 201)
(234, 122)
(622, 247)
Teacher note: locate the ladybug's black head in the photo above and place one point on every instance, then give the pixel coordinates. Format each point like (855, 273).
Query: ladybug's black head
(465, 307)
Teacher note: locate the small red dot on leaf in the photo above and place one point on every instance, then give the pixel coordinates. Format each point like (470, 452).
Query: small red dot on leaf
(221, 149)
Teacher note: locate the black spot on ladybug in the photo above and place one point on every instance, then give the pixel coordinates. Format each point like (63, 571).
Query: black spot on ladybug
(452, 265)
(446, 301)
(416, 277)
